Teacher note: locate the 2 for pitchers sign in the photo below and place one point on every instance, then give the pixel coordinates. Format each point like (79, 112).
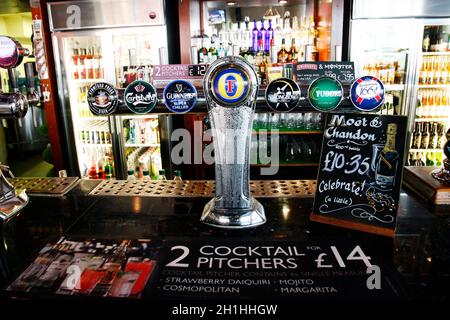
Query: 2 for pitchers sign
(360, 172)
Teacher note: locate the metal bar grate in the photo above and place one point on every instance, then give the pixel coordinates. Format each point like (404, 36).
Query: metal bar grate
(45, 186)
(202, 188)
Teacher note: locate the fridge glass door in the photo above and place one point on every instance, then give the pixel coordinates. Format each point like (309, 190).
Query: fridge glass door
(381, 48)
(136, 51)
(432, 97)
(83, 65)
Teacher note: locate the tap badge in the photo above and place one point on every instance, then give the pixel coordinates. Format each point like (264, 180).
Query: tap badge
(367, 93)
(140, 97)
(102, 98)
(325, 93)
(180, 96)
(283, 95)
(230, 86)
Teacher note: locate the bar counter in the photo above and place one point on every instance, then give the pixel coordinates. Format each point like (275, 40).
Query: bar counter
(419, 255)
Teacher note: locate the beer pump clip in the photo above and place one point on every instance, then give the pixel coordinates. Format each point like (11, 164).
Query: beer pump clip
(13, 105)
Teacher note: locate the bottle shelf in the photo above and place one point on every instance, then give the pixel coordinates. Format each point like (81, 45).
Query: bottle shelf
(306, 164)
(436, 53)
(433, 86)
(137, 145)
(140, 116)
(86, 80)
(287, 132)
(426, 150)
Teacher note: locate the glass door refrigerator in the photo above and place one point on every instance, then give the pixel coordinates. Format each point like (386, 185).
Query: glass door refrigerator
(431, 93)
(107, 41)
(407, 46)
(382, 48)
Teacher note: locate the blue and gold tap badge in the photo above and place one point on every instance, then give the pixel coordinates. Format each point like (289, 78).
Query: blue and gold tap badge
(367, 93)
(230, 86)
(180, 96)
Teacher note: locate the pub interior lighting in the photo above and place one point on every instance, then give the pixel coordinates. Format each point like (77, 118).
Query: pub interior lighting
(231, 3)
(282, 1)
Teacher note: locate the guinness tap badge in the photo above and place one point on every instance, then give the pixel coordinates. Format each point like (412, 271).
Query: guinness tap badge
(140, 97)
(283, 95)
(102, 98)
(180, 96)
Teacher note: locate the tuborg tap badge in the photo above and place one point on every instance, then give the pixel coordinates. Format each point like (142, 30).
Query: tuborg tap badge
(140, 97)
(230, 86)
(102, 98)
(325, 93)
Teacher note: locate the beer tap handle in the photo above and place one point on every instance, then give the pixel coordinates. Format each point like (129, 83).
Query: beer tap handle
(13, 80)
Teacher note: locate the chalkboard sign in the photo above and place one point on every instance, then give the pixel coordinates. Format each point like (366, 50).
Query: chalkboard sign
(360, 172)
(343, 71)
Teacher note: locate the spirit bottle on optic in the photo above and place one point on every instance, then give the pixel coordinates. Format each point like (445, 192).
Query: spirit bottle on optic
(388, 160)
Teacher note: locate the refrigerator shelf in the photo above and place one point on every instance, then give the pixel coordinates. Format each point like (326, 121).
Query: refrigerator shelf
(394, 87)
(95, 145)
(437, 53)
(97, 118)
(300, 164)
(445, 119)
(138, 145)
(426, 150)
(431, 86)
(287, 132)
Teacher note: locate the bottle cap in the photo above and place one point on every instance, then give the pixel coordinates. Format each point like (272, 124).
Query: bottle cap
(162, 172)
(177, 173)
(130, 172)
(145, 173)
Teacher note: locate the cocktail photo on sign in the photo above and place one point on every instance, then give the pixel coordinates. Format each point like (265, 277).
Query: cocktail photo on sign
(360, 172)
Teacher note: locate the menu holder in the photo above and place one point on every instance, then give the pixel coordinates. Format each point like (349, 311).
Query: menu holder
(360, 172)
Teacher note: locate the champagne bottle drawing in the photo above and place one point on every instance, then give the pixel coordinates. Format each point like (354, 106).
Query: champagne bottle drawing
(388, 160)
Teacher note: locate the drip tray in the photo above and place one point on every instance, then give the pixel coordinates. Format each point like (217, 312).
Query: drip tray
(202, 188)
(45, 186)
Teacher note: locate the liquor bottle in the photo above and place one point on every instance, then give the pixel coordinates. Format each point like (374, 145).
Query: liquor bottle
(426, 40)
(441, 139)
(203, 53)
(255, 32)
(425, 137)
(287, 31)
(388, 161)
(282, 54)
(247, 39)
(88, 63)
(221, 52)
(108, 169)
(269, 37)
(293, 52)
(177, 176)
(433, 137)
(261, 36)
(417, 137)
(277, 35)
(131, 176)
(429, 67)
(312, 32)
(212, 52)
(430, 159)
(81, 65)
(162, 175)
(75, 64)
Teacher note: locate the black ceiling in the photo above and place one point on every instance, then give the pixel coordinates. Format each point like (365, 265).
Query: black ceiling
(14, 6)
